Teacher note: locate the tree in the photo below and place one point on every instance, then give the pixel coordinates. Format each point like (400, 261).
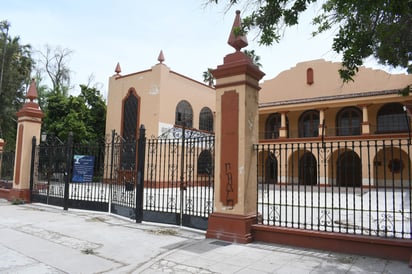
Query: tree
(15, 68)
(208, 77)
(379, 28)
(54, 63)
(255, 58)
(84, 115)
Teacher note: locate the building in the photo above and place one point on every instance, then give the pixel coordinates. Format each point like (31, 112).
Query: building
(163, 101)
(157, 98)
(306, 105)
(328, 125)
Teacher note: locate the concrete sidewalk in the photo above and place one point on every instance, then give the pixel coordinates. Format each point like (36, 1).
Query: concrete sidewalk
(35, 238)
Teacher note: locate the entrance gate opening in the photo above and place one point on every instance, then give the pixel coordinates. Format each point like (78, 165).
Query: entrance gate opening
(171, 182)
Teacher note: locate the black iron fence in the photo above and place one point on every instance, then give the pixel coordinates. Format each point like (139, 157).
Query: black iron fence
(360, 187)
(167, 180)
(6, 169)
(179, 178)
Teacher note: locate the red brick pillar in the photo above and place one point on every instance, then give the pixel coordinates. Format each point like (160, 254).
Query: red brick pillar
(28, 125)
(237, 86)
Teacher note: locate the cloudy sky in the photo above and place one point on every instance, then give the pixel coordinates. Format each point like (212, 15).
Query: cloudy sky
(192, 36)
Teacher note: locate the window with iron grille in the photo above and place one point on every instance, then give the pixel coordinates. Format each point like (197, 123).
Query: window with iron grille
(309, 124)
(392, 118)
(349, 122)
(273, 125)
(206, 119)
(184, 114)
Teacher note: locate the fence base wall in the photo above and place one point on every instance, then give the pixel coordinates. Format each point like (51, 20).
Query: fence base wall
(230, 227)
(376, 247)
(4, 193)
(22, 194)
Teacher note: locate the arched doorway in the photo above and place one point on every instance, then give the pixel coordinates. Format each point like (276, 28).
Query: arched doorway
(271, 169)
(349, 170)
(307, 169)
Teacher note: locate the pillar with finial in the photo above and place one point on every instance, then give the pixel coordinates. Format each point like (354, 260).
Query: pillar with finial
(237, 86)
(28, 126)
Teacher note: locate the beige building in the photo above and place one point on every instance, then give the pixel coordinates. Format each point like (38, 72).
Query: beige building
(328, 126)
(157, 98)
(307, 108)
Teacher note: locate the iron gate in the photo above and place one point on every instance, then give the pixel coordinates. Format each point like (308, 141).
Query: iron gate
(168, 179)
(179, 178)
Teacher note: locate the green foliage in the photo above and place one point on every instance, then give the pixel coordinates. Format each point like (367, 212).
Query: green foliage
(17, 201)
(84, 115)
(255, 58)
(379, 28)
(15, 68)
(208, 77)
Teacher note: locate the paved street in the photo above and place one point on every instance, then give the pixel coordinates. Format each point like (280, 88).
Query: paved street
(35, 238)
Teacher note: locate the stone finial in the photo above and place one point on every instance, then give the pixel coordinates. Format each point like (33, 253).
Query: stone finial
(117, 69)
(161, 57)
(32, 92)
(237, 41)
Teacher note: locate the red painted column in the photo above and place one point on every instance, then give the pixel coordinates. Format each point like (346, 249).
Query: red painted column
(237, 86)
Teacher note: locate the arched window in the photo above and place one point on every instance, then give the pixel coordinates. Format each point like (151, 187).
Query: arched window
(349, 122)
(130, 115)
(206, 119)
(204, 163)
(184, 114)
(273, 125)
(130, 120)
(309, 124)
(392, 118)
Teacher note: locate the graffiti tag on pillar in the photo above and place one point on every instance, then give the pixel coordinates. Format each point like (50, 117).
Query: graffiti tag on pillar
(229, 185)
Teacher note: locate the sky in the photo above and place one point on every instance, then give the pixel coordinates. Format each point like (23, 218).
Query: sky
(192, 36)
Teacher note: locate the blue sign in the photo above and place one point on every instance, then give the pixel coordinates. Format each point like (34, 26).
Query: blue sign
(83, 168)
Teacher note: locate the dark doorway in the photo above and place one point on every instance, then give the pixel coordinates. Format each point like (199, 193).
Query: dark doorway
(307, 169)
(349, 171)
(271, 169)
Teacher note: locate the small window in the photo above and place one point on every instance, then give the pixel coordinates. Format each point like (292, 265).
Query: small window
(184, 114)
(309, 76)
(206, 119)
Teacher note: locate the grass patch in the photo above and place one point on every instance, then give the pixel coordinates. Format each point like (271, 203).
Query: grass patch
(17, 201)
(166, 231)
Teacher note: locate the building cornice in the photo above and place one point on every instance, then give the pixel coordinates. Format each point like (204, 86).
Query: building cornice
(329, 98)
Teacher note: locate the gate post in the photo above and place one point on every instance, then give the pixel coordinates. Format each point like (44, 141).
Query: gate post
(237, 124)
(67, 173)
(28, 125)
(141, 149)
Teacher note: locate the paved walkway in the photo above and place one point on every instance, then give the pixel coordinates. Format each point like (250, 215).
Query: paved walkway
(35, 238)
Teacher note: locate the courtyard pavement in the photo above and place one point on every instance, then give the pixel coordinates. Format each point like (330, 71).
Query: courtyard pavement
(36, 238)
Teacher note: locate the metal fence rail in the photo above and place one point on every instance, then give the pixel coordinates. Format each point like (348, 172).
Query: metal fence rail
(160, 180)
(6, 169)
(353, 187)
(179, 180)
